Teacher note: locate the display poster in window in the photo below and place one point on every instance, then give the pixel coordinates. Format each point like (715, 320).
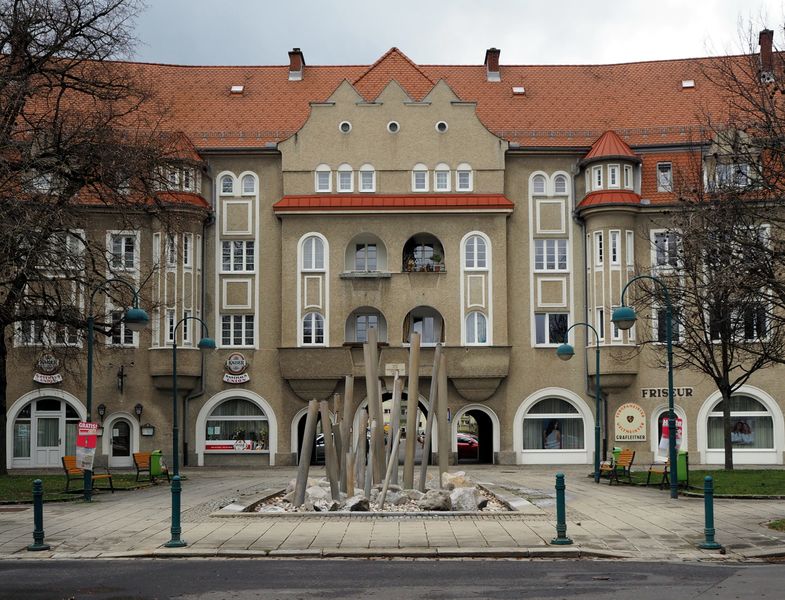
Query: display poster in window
(741, 433)
(664, 447)
(47, 369)
(235, 369)
(630, 423)
(244, 445)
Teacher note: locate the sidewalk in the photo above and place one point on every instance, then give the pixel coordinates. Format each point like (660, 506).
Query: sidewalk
(603, 521)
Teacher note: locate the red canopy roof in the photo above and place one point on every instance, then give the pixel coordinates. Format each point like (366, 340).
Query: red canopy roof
(394, 203)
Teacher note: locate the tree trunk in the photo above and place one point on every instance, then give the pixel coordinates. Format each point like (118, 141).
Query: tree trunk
(3, 400)
(726, 427)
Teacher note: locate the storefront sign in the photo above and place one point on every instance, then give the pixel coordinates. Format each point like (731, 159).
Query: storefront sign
(679, 392)
(47, 370)
(630, 423)
(236, 367)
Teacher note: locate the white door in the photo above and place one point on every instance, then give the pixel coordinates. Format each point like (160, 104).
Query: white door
(120, 450)
(49, 441)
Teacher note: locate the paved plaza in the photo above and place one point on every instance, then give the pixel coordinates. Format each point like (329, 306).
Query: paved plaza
(618, 521)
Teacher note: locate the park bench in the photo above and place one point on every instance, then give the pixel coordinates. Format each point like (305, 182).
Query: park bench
(663, 469)
(142, 464)
(623, 464)
(72, 472)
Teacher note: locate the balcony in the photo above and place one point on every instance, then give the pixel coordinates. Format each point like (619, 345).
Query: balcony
(188, 368)
(618, 366)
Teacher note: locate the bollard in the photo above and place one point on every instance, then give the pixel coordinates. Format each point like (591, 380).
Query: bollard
(561, 538)
(38, 517)
(176, 542)
(708, 506)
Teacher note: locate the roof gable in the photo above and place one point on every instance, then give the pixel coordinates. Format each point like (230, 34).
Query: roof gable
(609, 145)
(394, 65)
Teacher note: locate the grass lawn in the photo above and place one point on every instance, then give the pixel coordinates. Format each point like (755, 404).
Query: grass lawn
(739, 482)
(778, 525)
(19, 488)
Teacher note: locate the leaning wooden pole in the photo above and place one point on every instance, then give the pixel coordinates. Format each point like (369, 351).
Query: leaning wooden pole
(338, 440)
(393, 460)
(444, 422)
(379, 463)
(330, 457)
(432, 402)
(346, 430)
(371, 389)
(411, 411)
(369, 467)
(395, 422)
(309, 436)
(362, 446)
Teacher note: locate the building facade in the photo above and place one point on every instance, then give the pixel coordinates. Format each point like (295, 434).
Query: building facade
(486, 207)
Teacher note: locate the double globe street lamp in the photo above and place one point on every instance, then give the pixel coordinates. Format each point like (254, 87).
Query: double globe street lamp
(565, 352)
(205, 343)
(624, 317)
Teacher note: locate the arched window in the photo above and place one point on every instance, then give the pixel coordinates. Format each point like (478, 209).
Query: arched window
(237, 425)
(475, 253)
(538, 184)
(37, 439)
(227, 184)
(464, 178)
(365, 253)
(751, 424)
(361, 320)
(323, 179)
(423, 252)
(476, 328)
(313, 254)
(313, 329)
(441, 178)
(345, 178)
(249, 184)
(420, 178)
(427, 322)
(367, 178)
(560, 184)
(553, 424)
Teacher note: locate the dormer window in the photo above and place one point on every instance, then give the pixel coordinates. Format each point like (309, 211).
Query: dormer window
(628, 177)
(188, 180)
(596, 176)
(664, 177)
(613, 176)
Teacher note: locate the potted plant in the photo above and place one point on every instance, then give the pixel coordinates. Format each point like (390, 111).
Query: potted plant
(437, 262)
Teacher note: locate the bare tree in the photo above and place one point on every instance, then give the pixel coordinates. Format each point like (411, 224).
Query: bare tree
(79, 131)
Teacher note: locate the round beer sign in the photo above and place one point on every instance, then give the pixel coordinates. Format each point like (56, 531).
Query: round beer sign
(236, 364)
(48, 364)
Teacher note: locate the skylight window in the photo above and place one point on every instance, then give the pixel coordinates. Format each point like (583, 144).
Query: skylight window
(237, 89)
(688, 83)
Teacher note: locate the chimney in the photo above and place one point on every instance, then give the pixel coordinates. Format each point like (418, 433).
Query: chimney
(296, 64)
(492, 64)
(765, 39)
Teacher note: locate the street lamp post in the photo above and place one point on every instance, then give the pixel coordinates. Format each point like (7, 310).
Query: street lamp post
(136, 319)
(566, 352)
(624, 317)
(205, 343)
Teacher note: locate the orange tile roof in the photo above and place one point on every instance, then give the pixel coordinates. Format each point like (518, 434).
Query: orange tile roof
(394, 65)
(393, 203)
(609, 197)
(609, 145)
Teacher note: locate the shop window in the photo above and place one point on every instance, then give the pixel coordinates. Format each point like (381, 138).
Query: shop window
(237, 426)
(553, 424)
(752, 426)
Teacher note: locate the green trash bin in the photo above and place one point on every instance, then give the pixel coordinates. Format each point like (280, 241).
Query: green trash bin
(683, 467)
(157, 466)
(616, 452)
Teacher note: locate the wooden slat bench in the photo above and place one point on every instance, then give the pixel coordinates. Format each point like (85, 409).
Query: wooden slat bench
(623, 464)
(74, 473)
(665, 470)
(142, 464)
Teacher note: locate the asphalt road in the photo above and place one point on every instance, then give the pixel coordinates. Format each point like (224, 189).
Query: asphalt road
(232, 579)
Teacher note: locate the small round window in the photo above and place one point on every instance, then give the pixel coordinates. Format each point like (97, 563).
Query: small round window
(441, 126)
(393, 127)
(345, 127)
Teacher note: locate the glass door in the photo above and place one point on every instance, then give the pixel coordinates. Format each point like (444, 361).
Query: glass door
(121, 444)
(48, 441)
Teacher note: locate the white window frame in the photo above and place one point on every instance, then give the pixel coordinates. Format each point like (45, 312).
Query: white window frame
(629, 179)
(599, 248)
(365, 246)
(473, 263)
(476, 315)
(323, 169)
(367, 169)
(549, 248)
(599, 322)
(441, 169)
(596, 178)
(662, 184)
(246, 192)
(556, 179)
(242, 252)
(466, 169)
(667, 264)
(244, 321)
(313, 316)
(310, 255)
(616, 331)
(343, 183)
(613, 177)
(615, 247)
(420, 171)
(110, 237)
(170, 250)
(173, 178)
(225, 190)
(188, 250)
(119, 338)
(189, 179)
(630, 248)
(536, 180)
(187, 329)
(546, 316)
(170, 322)
(156, 251)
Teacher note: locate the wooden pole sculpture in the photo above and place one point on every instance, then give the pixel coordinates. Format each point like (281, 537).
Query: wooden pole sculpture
(371, 389)
(411, 411)
(369, 467)
(378, 452)
(346, 431)
(330, 458)
(388, 475)
(432, 402)
(395, 422)
(337, 439)
(309, 436)
(445, 447)
(362, 446)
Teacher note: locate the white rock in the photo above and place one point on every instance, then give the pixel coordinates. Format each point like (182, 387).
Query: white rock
(435, 500)
(464, 499)
(317, 493)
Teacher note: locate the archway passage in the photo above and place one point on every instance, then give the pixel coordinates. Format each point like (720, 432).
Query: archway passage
(317, 449)
(475, 438)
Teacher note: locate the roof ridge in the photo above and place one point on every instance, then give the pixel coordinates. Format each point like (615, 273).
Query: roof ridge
(394, 51)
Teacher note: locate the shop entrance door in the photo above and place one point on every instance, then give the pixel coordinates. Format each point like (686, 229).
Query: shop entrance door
(120, 455)
(49, 439)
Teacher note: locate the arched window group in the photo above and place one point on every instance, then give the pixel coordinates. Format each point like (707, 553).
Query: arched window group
(228, 185)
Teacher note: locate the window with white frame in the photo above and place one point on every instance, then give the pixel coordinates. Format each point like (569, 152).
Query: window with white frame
(666, 249)
(237, 255)
(613, 176)
(323, 179)
(187, 328)
(189, 183)
(628, 180)
(237, 330)
(313, 254)
(615, 248)
(550, 255)
(227, 185)
(31, 333)
(616, 334)
(188, 249)
(173, 178)
(171, 250)
(630, 248)
(752, 425)
(599, 249)
(664, 177)
(345, 178)
(476, 328)
(155, 329)
(313, 329)
(560, 184)
(63, 251)
(427, 322)
(420, 178)
(553, 424)
(120, 334)
(441, 178)
(755, 322)
(170, 324)
(63, 335)
(156, 253)
(464, 178)
(362, 323)
(123, 249)
(367, 178)
(365, 257)
(662, 325)
(596, 176)
(551, 328)
(734, 175)
(475, 253)
(599, 323)
(538, 184)
(249, 185)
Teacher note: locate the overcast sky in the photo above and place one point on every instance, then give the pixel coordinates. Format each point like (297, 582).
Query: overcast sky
(239, 32)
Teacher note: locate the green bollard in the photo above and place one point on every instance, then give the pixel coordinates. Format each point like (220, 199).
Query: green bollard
(176, 530)
(708, 504)
(561, 538)
(38, 518)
